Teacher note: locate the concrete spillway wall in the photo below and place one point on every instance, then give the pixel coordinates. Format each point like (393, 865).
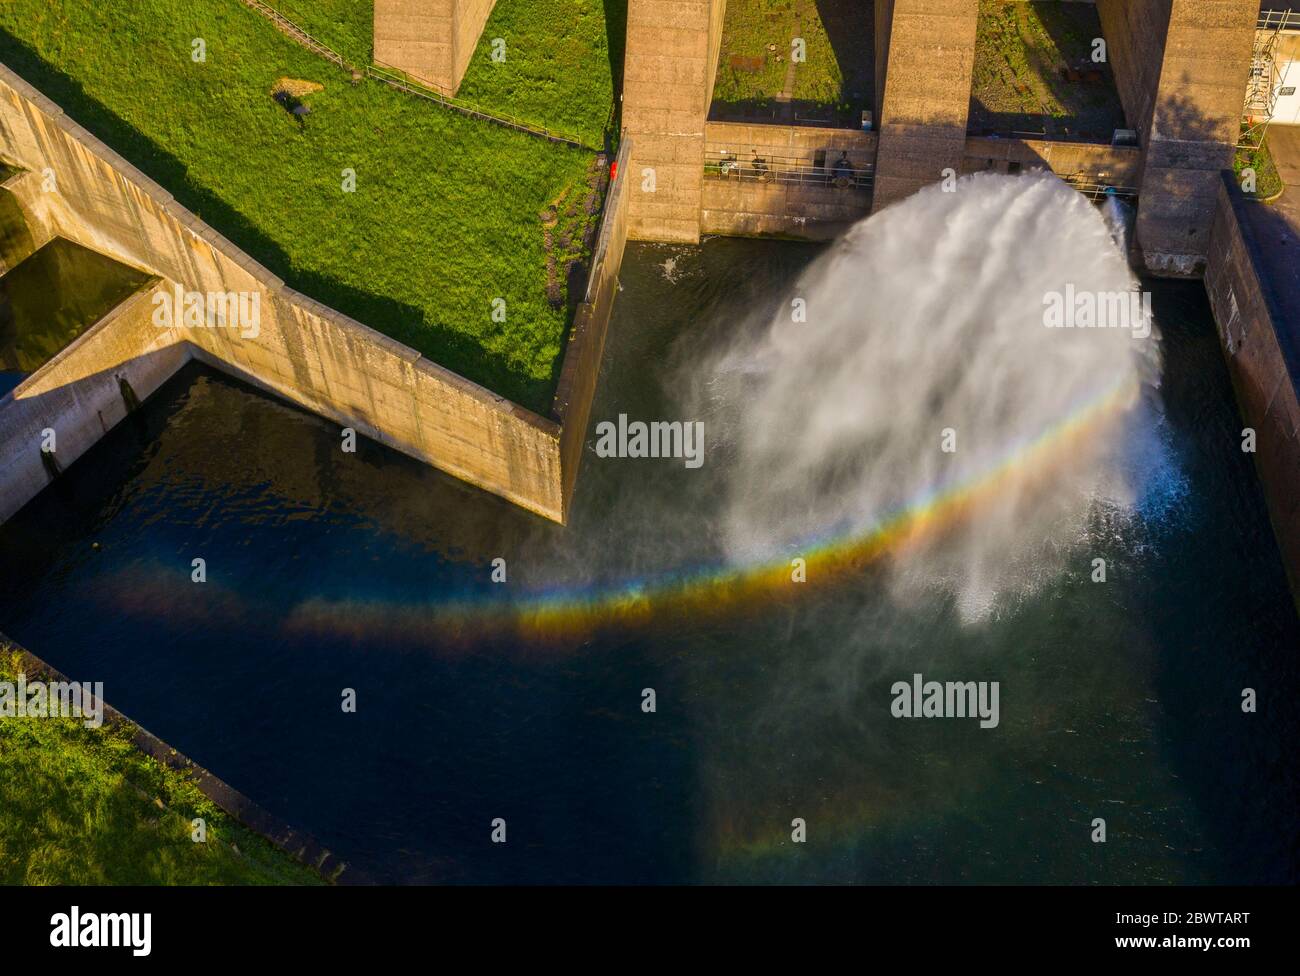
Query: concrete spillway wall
(669, 67)
(80, 395)
(302, 351)
(1265, 377)
(1118, 166)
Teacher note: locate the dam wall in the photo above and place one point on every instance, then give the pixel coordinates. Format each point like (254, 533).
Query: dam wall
(1119, 166)
(669, 67)
(797, 204)
(432, 40)
(1181, 67)
(303, 351)
(1260, 350)
(80, 394)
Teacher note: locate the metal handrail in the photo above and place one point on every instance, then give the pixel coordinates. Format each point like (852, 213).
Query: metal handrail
(1278, 20)
(271, 10)
(399, 79)
(769, 169)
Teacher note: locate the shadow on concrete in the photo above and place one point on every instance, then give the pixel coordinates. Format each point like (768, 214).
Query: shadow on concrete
(1272, 235)
(616, 45)
(407, 324)
(758, 85)
(1034, 76)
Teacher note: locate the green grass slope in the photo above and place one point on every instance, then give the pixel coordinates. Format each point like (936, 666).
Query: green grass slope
(84, 806)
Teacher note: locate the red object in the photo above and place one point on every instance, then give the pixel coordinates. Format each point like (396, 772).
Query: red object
(613, 170)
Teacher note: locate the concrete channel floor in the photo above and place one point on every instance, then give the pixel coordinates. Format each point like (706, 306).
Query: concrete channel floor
(1276, 228)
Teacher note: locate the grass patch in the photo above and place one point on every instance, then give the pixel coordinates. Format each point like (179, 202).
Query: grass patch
(1267, 181)
(562, 61)
(84, 806)
(347, 26)
(447, 210)
(1034, 72)
(758, 76)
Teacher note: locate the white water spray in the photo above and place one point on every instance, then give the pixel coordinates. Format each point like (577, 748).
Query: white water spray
(924, 363)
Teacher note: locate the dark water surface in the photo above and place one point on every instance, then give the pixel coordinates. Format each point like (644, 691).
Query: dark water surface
(1118, 701)
(50, 298)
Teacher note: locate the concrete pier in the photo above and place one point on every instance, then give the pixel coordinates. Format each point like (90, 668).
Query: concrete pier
(671, 61)
(432, 40)
(925, 53)
(1182, 68)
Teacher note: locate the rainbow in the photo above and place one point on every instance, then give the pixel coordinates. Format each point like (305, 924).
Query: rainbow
(566, 614)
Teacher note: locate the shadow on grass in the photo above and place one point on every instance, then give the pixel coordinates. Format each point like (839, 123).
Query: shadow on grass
(405, 323)
(850, 31)
(616, 45)
(1062, 67)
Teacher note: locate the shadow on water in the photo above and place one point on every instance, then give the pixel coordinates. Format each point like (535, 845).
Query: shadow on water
(1219, 606)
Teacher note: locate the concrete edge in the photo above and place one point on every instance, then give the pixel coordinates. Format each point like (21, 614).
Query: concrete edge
(300, 846)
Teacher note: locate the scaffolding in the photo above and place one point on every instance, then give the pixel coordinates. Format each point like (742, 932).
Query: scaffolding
(1261, 90)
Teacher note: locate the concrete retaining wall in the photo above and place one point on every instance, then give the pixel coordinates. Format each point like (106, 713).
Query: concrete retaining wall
(748, 208)
(305, 352)
(1265, 379)
(581, 371)
(79, 396)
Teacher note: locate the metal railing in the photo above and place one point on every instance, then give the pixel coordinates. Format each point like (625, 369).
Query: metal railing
(1265, 77)
(1093, 189)
(760, 167)
(280, 14)
(399, 79)
(1278, 20)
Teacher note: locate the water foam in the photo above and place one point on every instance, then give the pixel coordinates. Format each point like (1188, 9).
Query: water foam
(925, 323)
